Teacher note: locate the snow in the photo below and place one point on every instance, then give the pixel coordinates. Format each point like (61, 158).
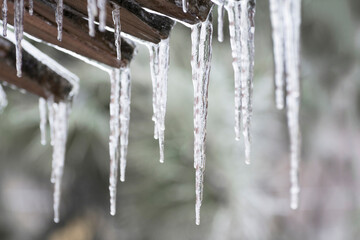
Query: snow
(117, 27)
(59, 18)
(201, 37)
(3, 99)
(159, 65)
(42, 111)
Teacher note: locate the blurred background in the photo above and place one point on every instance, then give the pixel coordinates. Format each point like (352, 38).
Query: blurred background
(157, 200)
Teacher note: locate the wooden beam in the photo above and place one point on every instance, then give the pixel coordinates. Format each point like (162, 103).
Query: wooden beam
(76, 38)
(37, 78)
(198, 10)
(134, 20)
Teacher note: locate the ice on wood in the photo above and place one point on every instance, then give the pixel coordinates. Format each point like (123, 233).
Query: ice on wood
(114, 139)
(59, 18)
(242, 28)
(201, 38)
(102, 14)
(4, 15)
(92, 13)
(117, 28)
(58, 117)
(159, 65)
(3, 99)
(19, 28)
(125, 99)
(43, 115)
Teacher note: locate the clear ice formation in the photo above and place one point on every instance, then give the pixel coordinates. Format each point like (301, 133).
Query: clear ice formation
(242, 28)
(120, 99)
(102, 14)
(117, 28)
(4, 19)
(18, 29)
(201, 38)
(3, 99)
(92, 13)
(286, 20)
(43, 115)
(59, 18)
(114, 139)
(159, 66)
(58, 119)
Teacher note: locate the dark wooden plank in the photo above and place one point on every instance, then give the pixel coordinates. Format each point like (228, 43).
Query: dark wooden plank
(75, 34)
(198, 10)
(37, 78)
(134, 20)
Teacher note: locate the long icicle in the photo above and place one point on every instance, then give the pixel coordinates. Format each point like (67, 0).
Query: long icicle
(125, 99)
(43, 115)
(114, 139)
(242, 28)
(3, 99)
(220, 23)
(4, 17)
(18, 28)
(278, 34)
(117, 27)
(92, 13)
(155, 72)
(59, 18)
(292, 20)
(102, 14)
(59, 127)
(201, 37)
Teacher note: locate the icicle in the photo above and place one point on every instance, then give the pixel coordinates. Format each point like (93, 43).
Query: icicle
(117, 27)
(102, 14)
(3, 99)
(278, 34)
(59, 18)
(59, 116)
(221, 23)
(114, 138)
(92, 12)
(184, 5)
(18, 28)
(159, 62)
(125, 98)
(242, 29)
(292, 20)
(50, 102)
(31, 7)
(42, 111)
(201, 36)
(4, 15)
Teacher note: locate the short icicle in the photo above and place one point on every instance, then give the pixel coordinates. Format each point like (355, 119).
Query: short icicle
(4, 15)
(43, 115)
(3, 99)
(159, 65)
(31, 7)
(184, 5)
(278, 34)
(59, 18)
(201, 36)
(18, 28)
(114, 139)
(125, 99)
(102, 14)
(221, 23)
(242, 28)
(59, 127)
(292, 20)
(92, 13)
(117, 27)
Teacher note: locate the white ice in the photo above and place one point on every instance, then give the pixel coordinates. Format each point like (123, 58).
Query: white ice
(59, 18)
(92, 13)
(4, 15)
(102, 14)
(3, 99)
(18, 29)
(117, 28)
(43, 115)
(31, 7)
(184, 5)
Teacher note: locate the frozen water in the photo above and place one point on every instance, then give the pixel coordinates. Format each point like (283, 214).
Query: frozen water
(92, 12)
(4, 19)
(184, 5)
(3, 99)
(18, 28)
(59, 18)
(201, 37)
(31, 7)
(42, 111)
(220, 23)
(102, 14)
(117, 28)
